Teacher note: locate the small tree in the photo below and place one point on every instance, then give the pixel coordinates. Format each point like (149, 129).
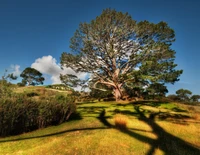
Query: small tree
(195, 98)
(183, 94)
(32, 76)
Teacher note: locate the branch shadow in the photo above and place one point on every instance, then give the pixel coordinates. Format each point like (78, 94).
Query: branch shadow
(166, 142)
(53, 134)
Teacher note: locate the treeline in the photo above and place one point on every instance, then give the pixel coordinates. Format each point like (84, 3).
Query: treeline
(184, 96)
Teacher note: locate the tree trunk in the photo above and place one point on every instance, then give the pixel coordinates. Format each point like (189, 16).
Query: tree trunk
(118, 94)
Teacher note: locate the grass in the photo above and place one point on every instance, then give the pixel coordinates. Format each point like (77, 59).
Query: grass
(114, 128)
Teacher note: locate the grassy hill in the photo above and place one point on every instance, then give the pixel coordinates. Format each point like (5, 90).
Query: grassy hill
(145, 127)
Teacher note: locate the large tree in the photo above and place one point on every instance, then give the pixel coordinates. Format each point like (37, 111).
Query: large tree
(119, 52)
(32, 76)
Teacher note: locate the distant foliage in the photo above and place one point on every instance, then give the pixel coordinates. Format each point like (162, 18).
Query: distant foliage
(20, 113)
(32, 77)
(173, 97)
(195, 98)
(184, 94)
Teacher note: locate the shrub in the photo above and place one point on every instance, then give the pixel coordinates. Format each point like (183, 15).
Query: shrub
(20, 114)
(120, 121)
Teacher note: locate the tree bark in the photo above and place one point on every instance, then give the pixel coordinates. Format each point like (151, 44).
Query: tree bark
(118, 94)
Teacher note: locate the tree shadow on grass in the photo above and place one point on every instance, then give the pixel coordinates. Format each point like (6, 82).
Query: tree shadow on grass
(75, 116)
(176, 109)
(53, 134)
(149, 103)
(165, 141)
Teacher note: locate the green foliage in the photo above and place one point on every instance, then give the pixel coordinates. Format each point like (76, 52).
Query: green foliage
(195, 98)
(70, 80)
(98, 94)
(20, 114)
(22, 84)
(5, 85)
(173, 97)
(119, 52)
(31, 76)
(5, 89)
(90, 133)
(183, 94)
(156, 90)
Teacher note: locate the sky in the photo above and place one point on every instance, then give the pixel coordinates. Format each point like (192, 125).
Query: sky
(34, 33)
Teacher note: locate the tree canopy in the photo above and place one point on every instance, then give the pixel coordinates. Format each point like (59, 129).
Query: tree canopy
(32, 76)
(183, 94)
(195, 98)
(119, 52)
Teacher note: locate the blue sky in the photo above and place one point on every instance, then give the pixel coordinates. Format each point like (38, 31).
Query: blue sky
(34, 33)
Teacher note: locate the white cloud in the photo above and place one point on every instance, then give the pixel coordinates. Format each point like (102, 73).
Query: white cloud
(15, 69)
(48, 65)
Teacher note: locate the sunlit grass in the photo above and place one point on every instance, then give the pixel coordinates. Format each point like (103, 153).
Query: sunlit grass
(87, 135)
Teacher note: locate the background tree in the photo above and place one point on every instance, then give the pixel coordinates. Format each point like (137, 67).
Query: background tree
(173, 97)
(183, 94)
(117, 51)
(195, 98)
(32, 76)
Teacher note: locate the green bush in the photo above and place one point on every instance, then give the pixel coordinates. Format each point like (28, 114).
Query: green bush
(20, 113)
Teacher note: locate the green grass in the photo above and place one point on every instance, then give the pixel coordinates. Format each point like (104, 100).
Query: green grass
(151, 128)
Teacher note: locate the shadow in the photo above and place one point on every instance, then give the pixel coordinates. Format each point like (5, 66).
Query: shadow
(179, 110)
(119, 111)
(121, 104)
(75, 116)
(93, 110)
(149, 103)
(53, 134)
(85, 102)
(103, 120)
(165, 141)
(165, 115)
(92, 107)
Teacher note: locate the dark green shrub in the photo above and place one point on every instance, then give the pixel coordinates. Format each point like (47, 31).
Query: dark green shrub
(32, 94)
(20, 114)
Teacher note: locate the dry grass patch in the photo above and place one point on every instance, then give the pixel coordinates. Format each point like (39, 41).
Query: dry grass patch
(121, 121)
